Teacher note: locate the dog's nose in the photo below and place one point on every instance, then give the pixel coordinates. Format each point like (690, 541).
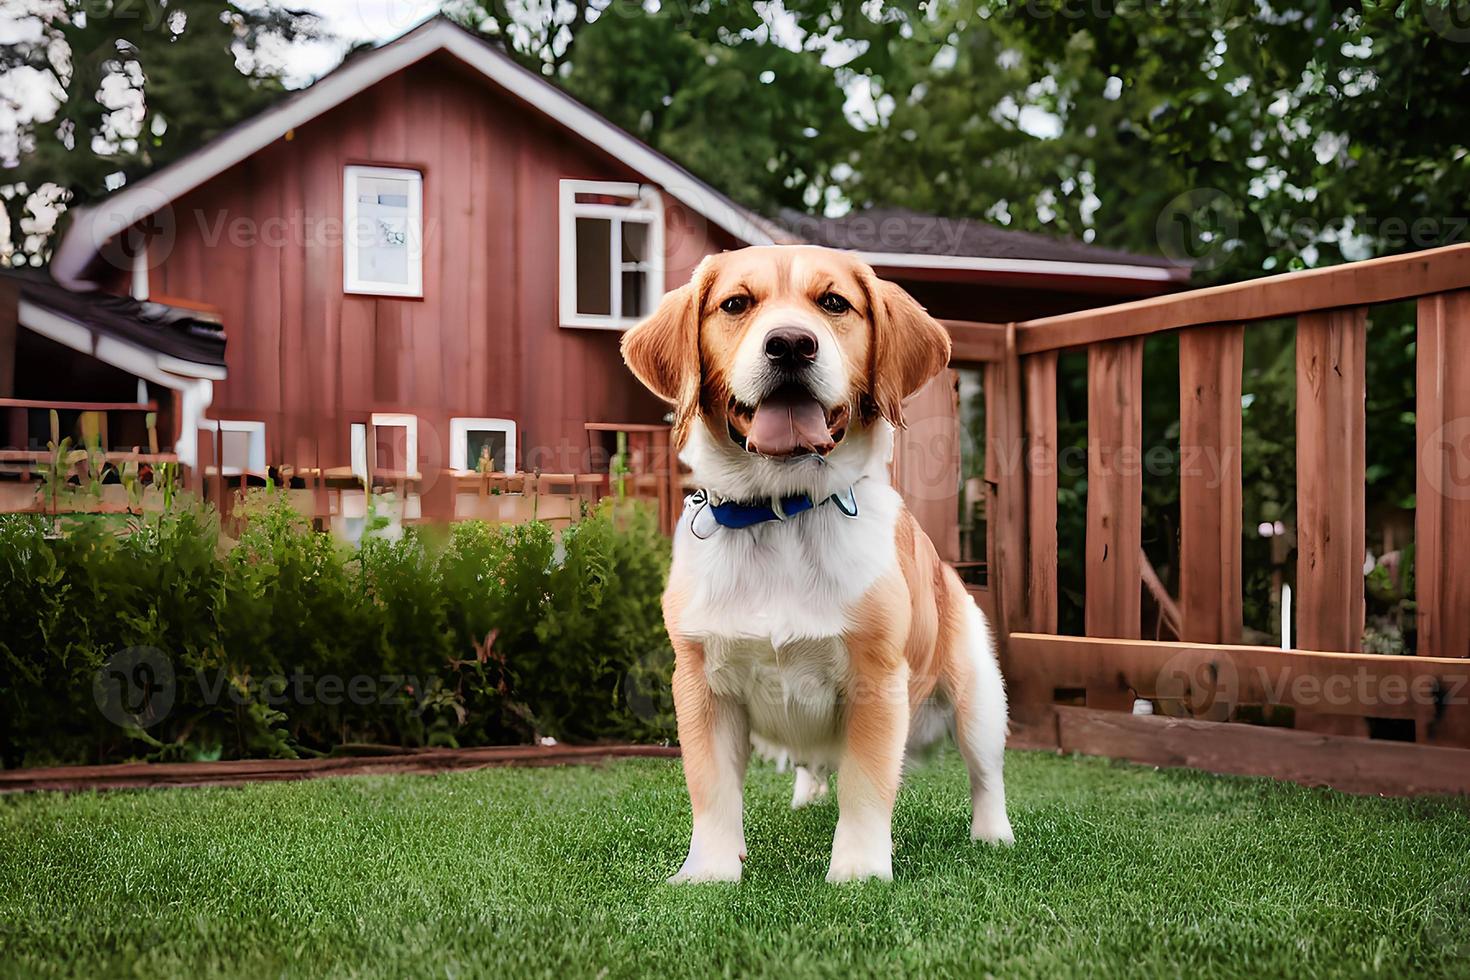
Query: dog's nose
(791, 346)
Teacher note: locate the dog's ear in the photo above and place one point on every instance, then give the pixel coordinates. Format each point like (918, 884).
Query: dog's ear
(663, 351)
(908, 347)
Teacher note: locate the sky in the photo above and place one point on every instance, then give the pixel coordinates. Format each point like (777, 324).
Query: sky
(346, 22)
(350, 22)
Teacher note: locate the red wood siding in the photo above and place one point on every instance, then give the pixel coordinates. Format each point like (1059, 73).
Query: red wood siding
(262, 242)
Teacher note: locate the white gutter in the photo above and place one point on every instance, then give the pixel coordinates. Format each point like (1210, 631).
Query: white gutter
(194, 382)
(1035, 267)
(194, 401)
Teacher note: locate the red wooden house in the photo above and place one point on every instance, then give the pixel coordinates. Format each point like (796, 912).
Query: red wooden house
(420, 266)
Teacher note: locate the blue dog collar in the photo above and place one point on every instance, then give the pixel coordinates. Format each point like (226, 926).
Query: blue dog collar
(738, 515)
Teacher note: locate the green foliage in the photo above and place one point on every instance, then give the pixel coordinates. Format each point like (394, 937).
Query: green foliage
(192, 64)
(287, 642)
(671, 73)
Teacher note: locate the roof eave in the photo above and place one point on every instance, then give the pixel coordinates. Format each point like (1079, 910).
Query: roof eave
(1073, 276)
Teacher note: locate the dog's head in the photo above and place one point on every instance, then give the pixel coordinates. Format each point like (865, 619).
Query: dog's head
(781, 354)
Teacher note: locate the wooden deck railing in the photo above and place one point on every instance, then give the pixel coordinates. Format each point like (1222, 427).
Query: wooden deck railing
(1058, 683)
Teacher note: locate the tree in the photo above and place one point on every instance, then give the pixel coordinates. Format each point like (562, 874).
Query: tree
(748, 95)
(1253, 138)
(135, 84)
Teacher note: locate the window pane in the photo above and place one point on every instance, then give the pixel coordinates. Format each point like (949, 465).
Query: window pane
(382, 231)
(634, 290)
(594, 266)
(234, 449)
(635, 241)
(485, 450)
(391, 448)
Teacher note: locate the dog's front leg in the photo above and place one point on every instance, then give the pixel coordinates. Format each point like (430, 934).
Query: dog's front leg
(714, 736)
(877, 716)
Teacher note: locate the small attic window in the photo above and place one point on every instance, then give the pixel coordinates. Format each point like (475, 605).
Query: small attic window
(612, 244)
(383, 231)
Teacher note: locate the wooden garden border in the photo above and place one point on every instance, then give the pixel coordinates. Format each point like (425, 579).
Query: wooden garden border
(146, 775)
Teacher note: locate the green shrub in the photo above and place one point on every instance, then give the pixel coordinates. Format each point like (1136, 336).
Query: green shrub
(287, 642)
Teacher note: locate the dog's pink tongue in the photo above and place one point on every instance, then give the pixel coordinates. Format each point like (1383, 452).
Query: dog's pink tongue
(789, 421)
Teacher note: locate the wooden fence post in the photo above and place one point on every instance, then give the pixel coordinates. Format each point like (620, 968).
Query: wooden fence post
(1041, 468)
(1209, 483)
(1330, 392)
(1005, 464)
(1114, 487)
(1442, 514)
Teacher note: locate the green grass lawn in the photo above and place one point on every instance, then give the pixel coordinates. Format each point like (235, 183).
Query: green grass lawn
(559, 872)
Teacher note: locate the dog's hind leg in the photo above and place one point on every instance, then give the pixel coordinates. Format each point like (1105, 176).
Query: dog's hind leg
(974, 685)
(811, 786)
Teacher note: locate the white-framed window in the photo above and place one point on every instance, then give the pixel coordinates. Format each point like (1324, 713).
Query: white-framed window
(383, 231)
(612, 253)
(239, 446)
(389, 443)
(482, 445)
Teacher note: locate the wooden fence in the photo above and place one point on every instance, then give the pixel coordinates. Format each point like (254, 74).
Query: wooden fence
(93, 476)
(1329, 702)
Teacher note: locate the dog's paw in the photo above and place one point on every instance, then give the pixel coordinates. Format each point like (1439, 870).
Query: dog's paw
(993, 830)
(696, 871)
(855, 861)
(849, 870)
(809, 788)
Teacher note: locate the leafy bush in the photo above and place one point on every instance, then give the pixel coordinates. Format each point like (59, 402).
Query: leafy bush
(287, 642)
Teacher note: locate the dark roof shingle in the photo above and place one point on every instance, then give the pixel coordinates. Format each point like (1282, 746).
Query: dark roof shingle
(167, 330)
(911, 233)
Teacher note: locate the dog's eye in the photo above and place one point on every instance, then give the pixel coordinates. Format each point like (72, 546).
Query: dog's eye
(735, 305)
(833, 304)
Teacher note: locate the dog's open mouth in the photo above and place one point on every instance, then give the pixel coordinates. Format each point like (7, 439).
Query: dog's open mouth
(788, 423)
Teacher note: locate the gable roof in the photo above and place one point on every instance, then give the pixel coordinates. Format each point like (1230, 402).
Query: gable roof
(93, 227)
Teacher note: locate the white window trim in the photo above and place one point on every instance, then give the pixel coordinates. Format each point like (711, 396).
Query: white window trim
(351, 281)
(411, 442)
(459, 430)
(359, 450)
(255, 430)
(650, 209)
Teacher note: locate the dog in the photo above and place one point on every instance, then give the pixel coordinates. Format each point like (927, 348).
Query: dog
(808, 611)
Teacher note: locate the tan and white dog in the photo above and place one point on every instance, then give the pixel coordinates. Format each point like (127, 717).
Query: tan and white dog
(807, 609)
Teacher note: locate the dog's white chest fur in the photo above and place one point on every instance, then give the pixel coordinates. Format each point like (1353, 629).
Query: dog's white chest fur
(789, 580)
(771, 603)
(791, 693)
